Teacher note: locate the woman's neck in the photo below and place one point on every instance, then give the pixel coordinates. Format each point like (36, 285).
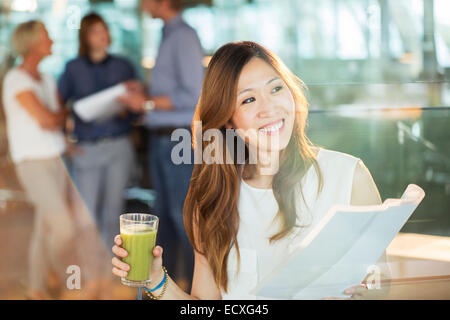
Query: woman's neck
(261, 175)
(98, 55)
(30, 64)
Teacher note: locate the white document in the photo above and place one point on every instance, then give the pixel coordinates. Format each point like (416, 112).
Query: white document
(101, 105)
(341, 250)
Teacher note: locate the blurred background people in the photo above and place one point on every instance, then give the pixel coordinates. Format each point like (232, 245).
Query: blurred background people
(102, 167)
(175, 87)
(35, 121)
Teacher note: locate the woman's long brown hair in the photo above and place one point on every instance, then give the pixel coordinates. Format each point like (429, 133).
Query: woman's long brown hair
(86, 23)
(211, 216)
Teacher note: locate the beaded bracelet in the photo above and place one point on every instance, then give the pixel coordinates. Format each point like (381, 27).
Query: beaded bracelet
(163, 283)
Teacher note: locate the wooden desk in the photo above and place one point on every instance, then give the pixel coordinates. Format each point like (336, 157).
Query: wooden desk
(420, 266)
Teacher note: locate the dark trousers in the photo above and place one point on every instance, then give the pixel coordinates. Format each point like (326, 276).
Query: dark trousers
(171, 183)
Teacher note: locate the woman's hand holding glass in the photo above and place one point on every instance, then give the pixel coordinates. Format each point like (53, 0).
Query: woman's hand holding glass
(121, 269)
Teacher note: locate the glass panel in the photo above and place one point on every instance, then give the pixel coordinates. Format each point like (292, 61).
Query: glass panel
(399, 146)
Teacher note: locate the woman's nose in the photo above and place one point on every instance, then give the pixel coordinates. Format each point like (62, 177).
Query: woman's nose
(267, 107)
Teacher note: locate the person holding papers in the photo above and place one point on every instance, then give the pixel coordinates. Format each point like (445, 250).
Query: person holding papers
(172, 96)
(243, 215)
(102, 168)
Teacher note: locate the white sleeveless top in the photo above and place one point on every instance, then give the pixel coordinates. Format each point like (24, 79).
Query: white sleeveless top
(258, 208)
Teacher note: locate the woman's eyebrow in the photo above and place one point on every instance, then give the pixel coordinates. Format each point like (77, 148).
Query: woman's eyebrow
(271, 80)
(250, 89)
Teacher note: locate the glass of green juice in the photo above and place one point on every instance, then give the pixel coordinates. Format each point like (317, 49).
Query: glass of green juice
(138, 233)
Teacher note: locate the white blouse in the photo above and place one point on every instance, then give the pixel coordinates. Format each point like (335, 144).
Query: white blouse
(258, 208)
(27, 140)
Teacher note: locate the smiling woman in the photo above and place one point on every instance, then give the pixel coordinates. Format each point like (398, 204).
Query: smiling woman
(240, 218)
(270, 100)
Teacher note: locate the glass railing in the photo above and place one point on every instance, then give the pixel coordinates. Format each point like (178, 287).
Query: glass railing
(399, 146)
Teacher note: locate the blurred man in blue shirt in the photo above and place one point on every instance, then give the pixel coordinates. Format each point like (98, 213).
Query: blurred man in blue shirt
(175, 88)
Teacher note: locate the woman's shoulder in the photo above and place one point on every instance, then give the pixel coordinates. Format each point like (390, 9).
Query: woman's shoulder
(333, 166)
(336, 166)
(76, 61)
(333, 155)
(344, 171)
(74, 65)
(334, 180)
(120, 59)
(15, 73)
(17, 79)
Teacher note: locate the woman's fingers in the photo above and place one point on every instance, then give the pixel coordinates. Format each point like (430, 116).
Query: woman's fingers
(120, 264)
(157, 252)
(359, 289)
(120, 268)
(355, 293)
(119, 273)
(118, 251)
(157, 260)
(118, 240)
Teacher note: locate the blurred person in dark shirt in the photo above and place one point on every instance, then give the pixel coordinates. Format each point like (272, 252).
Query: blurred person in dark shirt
(102, 167)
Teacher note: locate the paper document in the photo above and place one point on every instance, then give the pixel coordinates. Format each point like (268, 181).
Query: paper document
(101, 105)
(340, 250)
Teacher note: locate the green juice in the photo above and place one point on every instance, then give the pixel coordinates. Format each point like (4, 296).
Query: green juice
(139, 241)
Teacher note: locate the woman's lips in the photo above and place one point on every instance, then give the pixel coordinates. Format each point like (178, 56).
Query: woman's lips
(273, 127)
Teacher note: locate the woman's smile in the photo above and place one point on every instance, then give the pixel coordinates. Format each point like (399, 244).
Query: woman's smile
(272, 128)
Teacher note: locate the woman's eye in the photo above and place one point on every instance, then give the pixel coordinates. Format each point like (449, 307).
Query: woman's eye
(276, 89)
(248, 100)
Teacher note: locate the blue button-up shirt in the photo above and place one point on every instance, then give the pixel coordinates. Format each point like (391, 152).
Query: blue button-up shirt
(178, 73)
(81, 78)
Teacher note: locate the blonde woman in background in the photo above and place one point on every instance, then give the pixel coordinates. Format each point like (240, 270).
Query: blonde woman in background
(35, 121)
